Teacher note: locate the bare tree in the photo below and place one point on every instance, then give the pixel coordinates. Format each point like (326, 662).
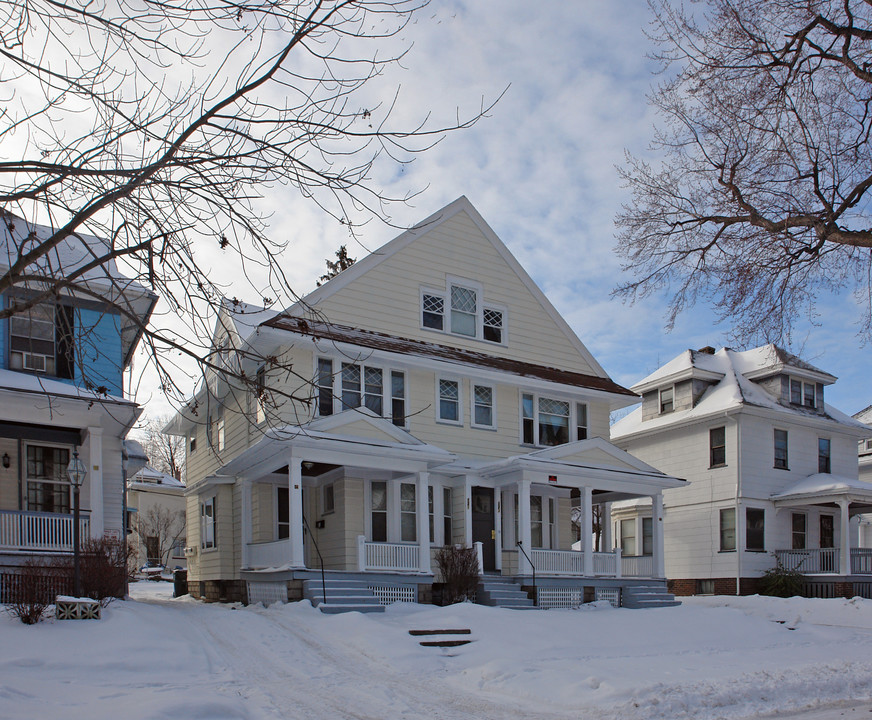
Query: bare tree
(758, 199)
(166, 453)
(157, 127)
(157, 531)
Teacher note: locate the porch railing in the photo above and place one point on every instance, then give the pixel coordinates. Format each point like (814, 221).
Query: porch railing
(387, 556)
(638, 566)
(608, 564)
(861, 561)
(558, 562)
(37, 531)
(810, 560)
(269, 554)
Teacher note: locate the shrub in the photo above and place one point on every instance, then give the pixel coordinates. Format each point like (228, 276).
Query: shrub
(33, 589)
(104, 564)
(781, 581)
(459, 569)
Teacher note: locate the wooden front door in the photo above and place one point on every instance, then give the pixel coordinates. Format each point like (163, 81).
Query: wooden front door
(483, 529)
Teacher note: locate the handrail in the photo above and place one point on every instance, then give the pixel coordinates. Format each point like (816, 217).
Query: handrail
(320, 559)
(529, 560)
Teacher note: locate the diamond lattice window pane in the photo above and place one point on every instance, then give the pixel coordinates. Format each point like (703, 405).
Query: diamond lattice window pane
(483, 395)
(433, 304)
(448, 390)
(494, 318)
(463, 299)
(350, 375)
(553, 407)
(373, 379)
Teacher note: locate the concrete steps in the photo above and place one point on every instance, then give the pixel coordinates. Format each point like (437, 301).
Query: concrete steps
(502, 592)
(342, 596)
(647, 596)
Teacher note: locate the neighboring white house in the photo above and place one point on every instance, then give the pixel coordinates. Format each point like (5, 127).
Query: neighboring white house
(429, 395)
(772, 471)
(61, 394)
(156, 518)
(864, 522)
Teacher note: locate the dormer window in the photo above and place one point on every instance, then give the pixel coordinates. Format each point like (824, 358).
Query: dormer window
(667, 400)
(41, 340)
(803, 393)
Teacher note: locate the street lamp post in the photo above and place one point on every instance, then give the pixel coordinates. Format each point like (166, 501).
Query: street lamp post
(76, 471)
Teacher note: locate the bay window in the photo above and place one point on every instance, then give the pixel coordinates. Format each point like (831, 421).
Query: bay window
(546, 421)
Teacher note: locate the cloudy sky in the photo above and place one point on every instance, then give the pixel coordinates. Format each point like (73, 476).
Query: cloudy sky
(541, 170)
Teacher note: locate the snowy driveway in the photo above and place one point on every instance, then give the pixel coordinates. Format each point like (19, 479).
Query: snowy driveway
(158, 658)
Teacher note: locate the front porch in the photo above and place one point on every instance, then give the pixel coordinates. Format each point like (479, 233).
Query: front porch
(30, 532)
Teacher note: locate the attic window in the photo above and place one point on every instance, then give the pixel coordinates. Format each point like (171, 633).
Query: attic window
(433, 311)
(667, 396)
(459, 309)
(493, 325)
(805, 394)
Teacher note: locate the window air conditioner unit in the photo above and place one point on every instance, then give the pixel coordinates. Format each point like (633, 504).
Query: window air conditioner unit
(34, 362)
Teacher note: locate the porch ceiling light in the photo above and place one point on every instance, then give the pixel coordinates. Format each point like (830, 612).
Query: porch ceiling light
(76, 470)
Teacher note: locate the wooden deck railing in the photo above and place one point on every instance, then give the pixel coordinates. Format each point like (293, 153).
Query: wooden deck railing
(558, 562)
(387, 556)
(637, 565)
(810, 560)
(36, 531)
(269, 554)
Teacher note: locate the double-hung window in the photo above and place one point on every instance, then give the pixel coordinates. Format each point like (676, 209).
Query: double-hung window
(449, 401)
(207, 523)
(464, 310)
(804, 393)
(408, 505)
(447, 514)
(483, 406)
(780, 440)
(379, 510)
(41, 340)
(547, 421)
(798, 531)
(717, 446)
(48, 485)
(460, 309)
(361, 386)
(755, 534)
(667, 400)
(823, 455)
(628, 536)
(728, 529)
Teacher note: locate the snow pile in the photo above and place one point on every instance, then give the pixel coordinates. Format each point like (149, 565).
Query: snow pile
(156, 657)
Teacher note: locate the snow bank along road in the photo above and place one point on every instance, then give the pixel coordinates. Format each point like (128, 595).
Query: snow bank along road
(154, 657)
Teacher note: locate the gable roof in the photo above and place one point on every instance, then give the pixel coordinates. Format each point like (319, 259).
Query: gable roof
(731, 374)
(405, 346)
(462, 204)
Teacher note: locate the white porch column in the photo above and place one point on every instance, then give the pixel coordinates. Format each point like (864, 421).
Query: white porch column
(467, 512)
(606, 521)
(246, 522)
(657, 531)
(422, 516)
(95, 481)
(524, 529)
(845, 539)
(498, 526)
(587, 531)
(295, 511)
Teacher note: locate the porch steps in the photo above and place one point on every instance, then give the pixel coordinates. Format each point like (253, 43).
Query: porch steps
(342, 596)
(443, 642)
(647, 596)
(502, 592)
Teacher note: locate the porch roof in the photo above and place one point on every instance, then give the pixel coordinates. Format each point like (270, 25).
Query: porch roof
(825, 488)
(389, 447)
(584, 462)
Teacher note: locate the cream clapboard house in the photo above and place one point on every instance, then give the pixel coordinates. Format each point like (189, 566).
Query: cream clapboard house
(772, 472)
(429, 395)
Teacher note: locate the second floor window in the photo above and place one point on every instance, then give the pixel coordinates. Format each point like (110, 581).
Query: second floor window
(717, 446)
(781, 449)
(360, 385)
(547, 421)
(41, 340)
(449, 401)
(823, 455)
(483, 406)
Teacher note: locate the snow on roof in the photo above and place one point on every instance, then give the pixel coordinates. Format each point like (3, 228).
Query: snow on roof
(825, 484)
(246, 317)
(148, 477)
(733, 391)
(32, 383)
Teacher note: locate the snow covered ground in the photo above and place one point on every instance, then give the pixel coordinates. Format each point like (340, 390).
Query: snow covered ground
(154, 657)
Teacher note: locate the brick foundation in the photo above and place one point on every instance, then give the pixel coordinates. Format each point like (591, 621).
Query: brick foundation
(223, 591)
(843, 590)
(721, 586)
